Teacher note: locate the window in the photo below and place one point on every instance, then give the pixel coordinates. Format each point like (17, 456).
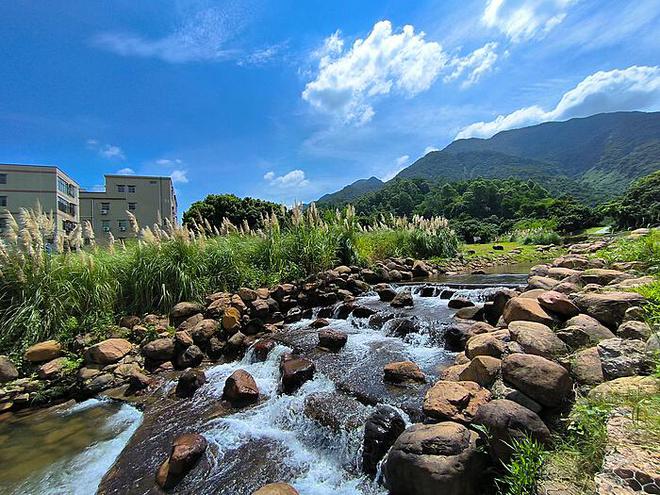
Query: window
(105, 225)
(65, 207)
(123, 225)
(3, 178)
(132, 206)
(65, 188)
(3, 201)
(3, 225)
(131, 189)
(105, 208)
(121, 188)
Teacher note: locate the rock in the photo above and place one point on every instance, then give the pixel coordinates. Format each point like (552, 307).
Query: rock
(183, 310)
(532, 293)
(536, 338)
(400, 327)
(403, 371)
(332, 340)
(609, 308)
(183, 339)
(262, 348)
(295, 372)
(454, 401)
(381, 430)
(101, 382)
(521, 308)
(8, 371)
(544, 283)
(566, 288)
(240, 388)
(320, 323)
(421, 269)
(231, 319)
(632, 283)
(501, 390)
(545, 381)
(247, 295)
(559, 273)
(458, 333)
(276, 489)
(452, 373)
(498, 247)
(189, 323)
(471, 313)
(601, 276)
(186, 452)
(190, 358)
(634, 313)
(586, 367)
(583, 330)
(129, 321)
(487, 344)
(634, 330)
(459, 302)
(52, 369)
(482, 370)
(160, 349)
(621, 357)
(204, 330)
(402, 299)
(539, 270)
(108, 351)
(43, 351)
(138, 381)
(559, 304)
(189, 381)
(627, 386)
(433, 459)
(507, 421)
(362, 312)
(573, 261)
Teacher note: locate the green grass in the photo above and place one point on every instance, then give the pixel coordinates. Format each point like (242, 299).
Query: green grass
(486, 251)
(523, 470)
(645, 249)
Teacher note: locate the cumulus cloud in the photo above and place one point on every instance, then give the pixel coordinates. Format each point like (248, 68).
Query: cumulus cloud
(429, 149)
(125, 171)
(179, 176)
(634, 88)
(293, 179)
(522, 20)
(106, 150)
(400, 163)
(166, 162)
(474, 65)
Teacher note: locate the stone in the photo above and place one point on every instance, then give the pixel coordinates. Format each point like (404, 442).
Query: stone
(487, 344)
(544, 381)
(183, 339)
(108, 351)
(189, 323)
(559, 273)
(52, 369)
(532, 293)
(183, 310)
(566, 288)
(458, 333)
(332, 340)
(191, 357)
(586, 367)
(362, 312)
(402, 299)
(231, 319)
(403, 371)
(632, 283)
(482, 370)
(421, 269)
(454, 401)
(471, 313)
(432, 459)
(189, 381)
(621, 357)
(634, 313)
(400, 327)
(544, 283)
(204, 330)
(187, 449)
(276, 489)
(536, 338)
(138, 381)
(160, 349)
(521, 308)
(508, 421)
(240, 388)
(43, 351)
(539, 270)
(559, 304)
(262, 348)
(247, 295)
(609, 308)
(501, 390)
(218, 306)
(602, 276)
(627, 386)
(8, 371)
(459, 302)
(381, 430)
(320, 323)
(583, 330)
(634, 330)
(295, 372)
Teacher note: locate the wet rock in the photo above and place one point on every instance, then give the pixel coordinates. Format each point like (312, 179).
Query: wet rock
(108, 351)
(139, 381)
(240, 389)
(452, 373)
(458, 333)
(586, 367)
(527, 309)
(483, 370)
(231, 320)
(8, 371)
(190, 322)
(447, 293)
(189, 381)
(454, 401)
(559, 304)
(421, 269)
(187, 449)
(276, 489)
(536, 338)
(183, 310)
(100, 382)
(215, 348)
(459, 302)
(634, 330)
(295, 372)
(363, 312)
(43, 351)
(543, 380)
(471, 313)
(320, 323)
(609, 308)
(432, 459)
(507, 421)
(402, 299)
(190, 358)
(400, 327)
(487, 344)
(293, 315)
(583, 330)
(428, 291)
(204, 330)
(403, 371)
(544, 283)
(262, 348)
(183, 339)
(381, 430)
(621, 357)
(343, 311)
(236, 343)
(332, 340)
(160, 349)
(52, 369)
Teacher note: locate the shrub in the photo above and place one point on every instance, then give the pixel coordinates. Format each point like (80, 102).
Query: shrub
(645, 249)
(535, 236)
(523, 471)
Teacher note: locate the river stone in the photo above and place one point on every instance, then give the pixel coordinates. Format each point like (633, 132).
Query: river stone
(576, 262)
(108, 351)
(609, 308)
(218, 306)
(454, 401)
(487, 344)
(421, 269)
(240, 388)
(453, 373)
(634, 330)
(183, 339)
(482, 370)
(402, 299)
(559, 273)
(52, 369)
(160, 349)
(431, 459)
(362, 312)
(43, 351)
(403, 371)
(189, 381)
(458, 333)
(544, 283)
(332, 340)
(583, 330)
(536, 338)
(539, 270)
(586, 367)
(522, 308)
(189, 323)
(295, 372)
(566, 287)
(471, 313)
(532, 293)
(191, 357)
(183, 310)
(621, 357)
(632, 283)
(262, 348)
(501, 390)
(602, 276)
(545, 381)
(186, 452)
(231, 319)
(459, 302)
(204, 330)
(559, 304)
(8, 371)
(627, 386)
(508, 421)
(276, 489)
(381, 430)
(385, 292)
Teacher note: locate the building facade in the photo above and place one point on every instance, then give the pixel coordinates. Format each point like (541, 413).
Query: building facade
(27, 186)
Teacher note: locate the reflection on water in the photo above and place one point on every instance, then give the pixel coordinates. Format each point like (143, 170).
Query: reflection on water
(63, 451)
(494, 275)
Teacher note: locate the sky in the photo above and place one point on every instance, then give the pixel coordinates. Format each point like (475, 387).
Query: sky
(288, 100)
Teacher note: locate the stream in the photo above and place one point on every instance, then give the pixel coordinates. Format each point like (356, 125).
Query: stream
(311, 439)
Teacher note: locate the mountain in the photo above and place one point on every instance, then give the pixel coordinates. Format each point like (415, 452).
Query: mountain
(352, 191)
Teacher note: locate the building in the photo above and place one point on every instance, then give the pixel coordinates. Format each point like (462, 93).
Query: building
(151, 199)
(26, 186)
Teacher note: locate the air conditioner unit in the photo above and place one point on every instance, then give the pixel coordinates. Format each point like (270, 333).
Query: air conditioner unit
(106, 229)
(104, 212)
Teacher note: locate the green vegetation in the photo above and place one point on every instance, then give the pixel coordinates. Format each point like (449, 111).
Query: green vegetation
(639, 206)
(215, 208)
(523, 471)
(644, 249)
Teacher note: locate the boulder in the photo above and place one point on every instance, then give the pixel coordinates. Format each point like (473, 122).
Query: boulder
(627, 386)
(187, 449)
(487, 344)
(138, 381)
(8, 371)
(191, 357)
(43, 351)
(586, 367)
(583, 330)
(507, 421)
(332, 340)
(610, 307)
(421, 269)
(385, 292)
(189, 381)
(295, 372)
(545, 381)
(458, 333)
(566, 288)
(452, 373)
(52, 369)
(432, 459)
(634, 330)
(204, 330)
(362, 312)
(231, 319)
(559, 304)
(602, 276)
(381, 430)
(459, 302)
(544, 283)
(262, 348)
(536, 338)
(240, 388)
(403, 371)
(621, 357)
(522, 308)
(183, 310)
(501, 390)
(108, 351)
(319, 323)
(160, 349)
(454, 401)
(532, 293)
(400, 327)
(402, 299)
(276, 489)
(190, 322)
(247, 295)
(482, 370)
(559, 273)
(471, 313)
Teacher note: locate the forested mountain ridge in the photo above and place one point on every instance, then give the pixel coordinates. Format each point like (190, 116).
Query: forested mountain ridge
(353, 191)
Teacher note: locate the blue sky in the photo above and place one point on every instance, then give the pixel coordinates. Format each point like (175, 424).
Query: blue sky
(289, 100)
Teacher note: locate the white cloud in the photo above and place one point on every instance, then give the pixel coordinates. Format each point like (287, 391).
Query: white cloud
(474, 65)
(429, 149)
(179, 176)
(125, 171)
(402, 159)
(400, 163)
(166, 162)
(295, 178)
(634, 88)
(522, 20)
(106, 150)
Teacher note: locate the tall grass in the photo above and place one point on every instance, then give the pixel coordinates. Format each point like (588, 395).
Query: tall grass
(52, 286)
(645, 249)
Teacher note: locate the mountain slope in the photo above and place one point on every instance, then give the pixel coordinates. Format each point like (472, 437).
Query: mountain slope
(352, 191)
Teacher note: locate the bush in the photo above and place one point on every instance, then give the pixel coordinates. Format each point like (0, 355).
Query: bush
(535, 236)
(523, 471)
(645, 249)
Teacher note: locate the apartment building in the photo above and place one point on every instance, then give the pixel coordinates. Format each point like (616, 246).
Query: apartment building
(26, 186)
(151, 199)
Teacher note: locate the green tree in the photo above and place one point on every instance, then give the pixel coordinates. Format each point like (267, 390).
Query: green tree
(215, 207)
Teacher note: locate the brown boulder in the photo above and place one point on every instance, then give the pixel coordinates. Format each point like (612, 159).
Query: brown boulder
(240, 388)
(459, 302)
(108, 351)
(482, 370)
(536, 338)
(262, 348)
(43, 351)
(454, 401)
(542, 380)
(231, 319)
(402, 299)
(276, 489)
(610, 307)
(160, 349)
(403, 371)
(559, 304)
(52, 369)
(583, 330)
(8, 371)
(586, 367)
(332, 340)
(295, 372)
(521, 308)
(186, 452)
(189, 381)
(183, 310)
(189, 323)
(634, 330)
(602, 276)
(204, 330)
(545, 283)
(487, 344)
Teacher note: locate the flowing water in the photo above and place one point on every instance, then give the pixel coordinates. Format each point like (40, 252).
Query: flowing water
(311, 439)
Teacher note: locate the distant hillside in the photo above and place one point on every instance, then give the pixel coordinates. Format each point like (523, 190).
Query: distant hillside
(352, 191)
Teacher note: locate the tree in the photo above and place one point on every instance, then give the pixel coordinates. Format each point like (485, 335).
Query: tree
(215, 207)
(640, 204)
